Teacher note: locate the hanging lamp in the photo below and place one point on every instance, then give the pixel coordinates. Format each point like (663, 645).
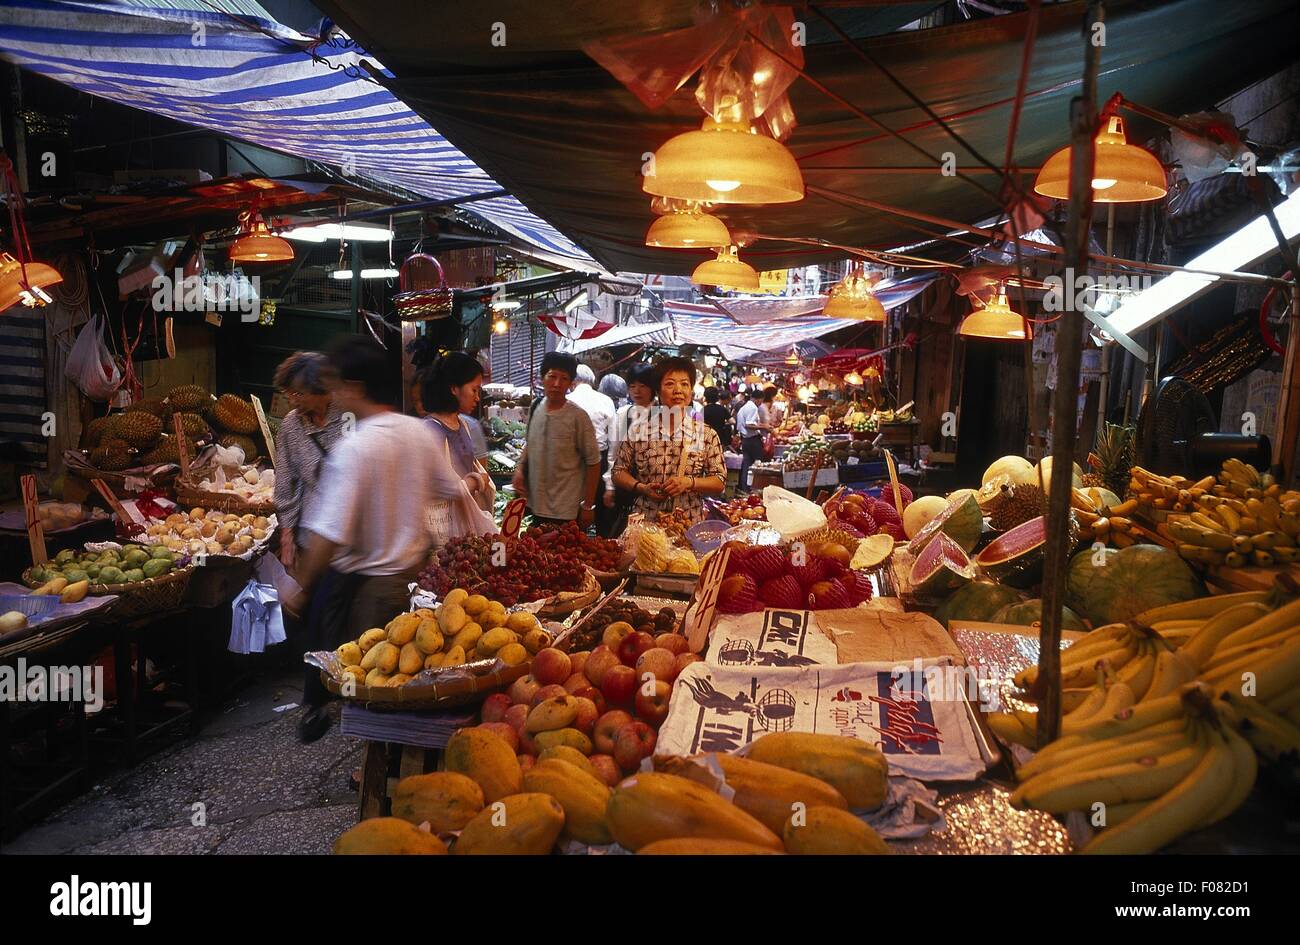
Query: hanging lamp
(994, 320)
(256, 243)
(726, 272)
(685, 225)
(1121, 173)
(854, 378)
(22, 279)
(852, 297)
(725, 162)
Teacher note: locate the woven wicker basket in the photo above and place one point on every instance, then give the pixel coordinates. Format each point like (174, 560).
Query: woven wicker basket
(190, 495)
(152, 595)
(460, 685)
(566, 602)
(425, 303)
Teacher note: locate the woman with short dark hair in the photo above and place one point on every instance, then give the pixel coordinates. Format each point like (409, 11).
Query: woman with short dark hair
(449, 393)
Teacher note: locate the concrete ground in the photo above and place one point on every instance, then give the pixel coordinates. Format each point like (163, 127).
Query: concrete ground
(244, 784)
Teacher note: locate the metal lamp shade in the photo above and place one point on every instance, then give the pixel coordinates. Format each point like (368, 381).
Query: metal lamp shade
(725, 162)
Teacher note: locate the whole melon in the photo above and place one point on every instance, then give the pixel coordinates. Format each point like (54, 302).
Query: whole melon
(1137, 578)
(1102, 498)
(1031, 611)
(919, 513)
(1013, 466)
(1045, 468)
(1084, 568)
(978, 600)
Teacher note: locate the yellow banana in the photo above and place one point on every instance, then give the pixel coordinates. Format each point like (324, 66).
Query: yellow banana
(1231, 672)
(1262, 559)
(1173, 669)
(1071, 747)
(1138, 673)
(1107, 755)
(1093, 701)
(1139, 780)
(1288, 615)
(1009, 728)
(1202, 608)
(1201, 647)
(1230, 519)
(1226, 654)
(1234, 559)
(1245, 766)
(1118, 697)
(1286, 702)
(1116, 814)
(1271, 734)
(1213, 524)
(1180, 808)
(1140, 716)
(1279, 671)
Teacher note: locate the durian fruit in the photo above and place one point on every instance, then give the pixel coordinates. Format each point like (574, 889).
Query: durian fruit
(93, 432)
(195, 427)
(111, 457)
(234, 414)
(165, 451)
(155, 407)
(245, 443)
(1017, 505)
(188, 398)
(138, 428)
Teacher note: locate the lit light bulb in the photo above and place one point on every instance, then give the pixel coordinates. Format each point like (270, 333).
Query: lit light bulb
(723, 186)
(1103, 183)
(500, 326)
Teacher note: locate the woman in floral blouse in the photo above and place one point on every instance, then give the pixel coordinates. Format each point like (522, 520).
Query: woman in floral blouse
(669, 460)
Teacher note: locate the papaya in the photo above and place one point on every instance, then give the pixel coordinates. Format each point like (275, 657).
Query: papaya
(583, 797)
(694, 846)
(446, 799)
(654, 806)
(831, 831)
(516, 825)
(388, 836)
(765, 791)
(486, 759)
(851, 766)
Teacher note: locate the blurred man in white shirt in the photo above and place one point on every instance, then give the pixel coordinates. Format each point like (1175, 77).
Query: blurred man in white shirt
(602, 412)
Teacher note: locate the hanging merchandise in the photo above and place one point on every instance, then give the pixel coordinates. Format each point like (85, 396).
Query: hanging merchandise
(91, 365)
(424, 294)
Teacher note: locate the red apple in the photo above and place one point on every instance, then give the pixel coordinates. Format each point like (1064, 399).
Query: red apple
(551, 666)
(594, 695)
(495, 707)
(547, 692)
(674, 643)
(633, 645)
(588, 712)
(606, 768)
(658, 662)
(653, 709)
(606, 728)
(523, 689)
(575, 682)
(634, 741)
(526, 744)
(526, 761)
(516, 715)
(684, 660)
(579, 660)
(505, 731)
(601, 660)
(615, 633)
(619, 686)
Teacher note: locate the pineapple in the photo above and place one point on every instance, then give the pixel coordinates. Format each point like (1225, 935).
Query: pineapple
(1112, 459)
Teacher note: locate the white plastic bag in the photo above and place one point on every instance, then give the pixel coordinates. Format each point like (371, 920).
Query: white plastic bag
(91, 364)
(792, 515)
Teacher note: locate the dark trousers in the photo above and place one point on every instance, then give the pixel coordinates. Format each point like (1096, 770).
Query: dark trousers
(751, 450)
(343, 607)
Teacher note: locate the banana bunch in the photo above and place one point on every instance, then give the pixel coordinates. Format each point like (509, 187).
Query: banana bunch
(1098, 523)
(1160, 769)
(1244, 518)
(1139, 656)
(1168, 493)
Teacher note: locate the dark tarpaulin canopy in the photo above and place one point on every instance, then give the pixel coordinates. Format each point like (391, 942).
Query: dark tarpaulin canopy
(565, 138)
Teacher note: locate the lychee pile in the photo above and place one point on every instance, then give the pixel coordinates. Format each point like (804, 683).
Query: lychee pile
(862, 515)
(782, 577)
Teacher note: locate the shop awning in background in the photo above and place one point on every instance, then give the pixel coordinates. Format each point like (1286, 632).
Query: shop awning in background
(252, 78)
(568, 139)
(704, 325)
(652, 333)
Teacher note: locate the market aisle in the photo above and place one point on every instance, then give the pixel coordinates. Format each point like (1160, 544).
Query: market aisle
(262, 790)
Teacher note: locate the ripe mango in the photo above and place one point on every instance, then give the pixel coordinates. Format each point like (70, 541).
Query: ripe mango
(551, 714)
(468, 637)
(398, 679)
(357, 673)
(401, 629)
(75, 592)
(53, 586)
(388, 836)
(428, 637)
(493, 640)
(434, 661)
(457, 595)
(447, 800)
(523, 825)
(410, 660)
(571, 755)
(486, 759)
(830, 831)
(452, 618)
(370, 638)
(521, 621)
(537, 639)
(376, 677)
(454, 657)
(512, 654)
(563, 736)
(349, 654)
(583, 797)
(851, 766)
(381, 656)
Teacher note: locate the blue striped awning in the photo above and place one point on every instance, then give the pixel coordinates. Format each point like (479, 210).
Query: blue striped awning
(252, 78)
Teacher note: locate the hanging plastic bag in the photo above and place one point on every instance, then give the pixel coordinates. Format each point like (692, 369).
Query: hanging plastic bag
(91, 365)
(792, 515)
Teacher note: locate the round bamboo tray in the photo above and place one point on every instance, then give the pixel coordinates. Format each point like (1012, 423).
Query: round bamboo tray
(566, 602)
(189, 494)
(152, 595)
(455, 686)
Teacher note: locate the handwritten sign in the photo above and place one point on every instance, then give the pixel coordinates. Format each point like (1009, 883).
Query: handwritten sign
(700, 614)
(893, 481)
(266, 427)
(35, 532)
(512, 517)
(182, 445)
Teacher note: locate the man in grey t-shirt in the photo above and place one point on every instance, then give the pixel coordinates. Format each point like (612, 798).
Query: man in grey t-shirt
(560, 467)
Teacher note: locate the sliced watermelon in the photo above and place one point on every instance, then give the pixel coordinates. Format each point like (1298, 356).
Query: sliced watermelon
(962, 521)
(941, 567)
(1015, 557)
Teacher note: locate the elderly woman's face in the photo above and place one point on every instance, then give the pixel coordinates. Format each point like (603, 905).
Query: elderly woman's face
(675, 389)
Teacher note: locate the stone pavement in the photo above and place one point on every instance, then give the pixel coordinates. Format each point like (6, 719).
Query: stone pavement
(244, 784)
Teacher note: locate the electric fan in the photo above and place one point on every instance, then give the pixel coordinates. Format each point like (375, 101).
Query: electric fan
(1176, 434)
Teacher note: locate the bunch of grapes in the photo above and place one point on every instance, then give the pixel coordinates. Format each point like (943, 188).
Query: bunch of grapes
(569, 542)
(526, 572)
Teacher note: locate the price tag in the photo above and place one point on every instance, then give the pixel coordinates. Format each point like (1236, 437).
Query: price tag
(700, 614)
(893, 481)
(182, 445)
(35, 532)
(512, 517)
(266, 427)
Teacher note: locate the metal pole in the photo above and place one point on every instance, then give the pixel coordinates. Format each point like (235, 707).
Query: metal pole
(356, 285)
(1065, 403)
